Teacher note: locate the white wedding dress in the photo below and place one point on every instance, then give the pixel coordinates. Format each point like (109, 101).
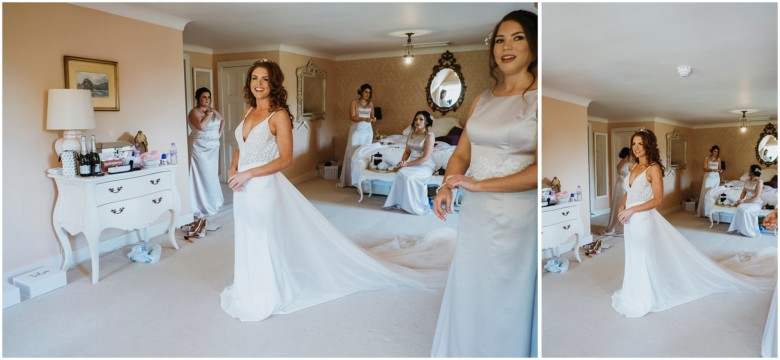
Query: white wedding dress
(663, 269)
(288, 256)
(711, 180)
(205, 191)
(410, 188)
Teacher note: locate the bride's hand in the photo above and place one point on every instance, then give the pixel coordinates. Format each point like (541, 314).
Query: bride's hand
(624, 215)
(468, 183)
(236, 182)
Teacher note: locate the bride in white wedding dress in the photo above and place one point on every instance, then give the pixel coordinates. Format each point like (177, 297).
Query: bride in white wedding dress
(288, 256)
(663, 269)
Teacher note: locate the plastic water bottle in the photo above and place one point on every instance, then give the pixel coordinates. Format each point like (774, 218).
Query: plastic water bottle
(579, 193)
(173, 158)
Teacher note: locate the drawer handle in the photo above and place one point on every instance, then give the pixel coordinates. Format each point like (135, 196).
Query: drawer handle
(115, 191)
(565, 213)
(158, 200)
(115, 211)
(567, 227)
(155, 181)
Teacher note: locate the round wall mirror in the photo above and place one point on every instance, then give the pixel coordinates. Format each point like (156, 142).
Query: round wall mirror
(766, 148)
(446, 88)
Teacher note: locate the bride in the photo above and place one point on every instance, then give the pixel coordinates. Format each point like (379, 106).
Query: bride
(663, 269)
(288, 256)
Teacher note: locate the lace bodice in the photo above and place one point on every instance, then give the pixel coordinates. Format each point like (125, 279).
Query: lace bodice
(259, 147)
(625, 170)
(210, 132)
(502, 131)
(640, 191)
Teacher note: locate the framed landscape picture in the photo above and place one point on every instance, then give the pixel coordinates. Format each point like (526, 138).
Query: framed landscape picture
(99, 76)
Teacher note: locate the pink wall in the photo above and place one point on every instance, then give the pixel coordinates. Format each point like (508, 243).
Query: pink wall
(36, 36)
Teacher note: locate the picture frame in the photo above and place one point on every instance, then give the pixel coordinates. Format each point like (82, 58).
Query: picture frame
(99, 76)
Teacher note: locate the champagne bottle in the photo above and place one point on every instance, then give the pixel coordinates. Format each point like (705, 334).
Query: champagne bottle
(95, 159)
(85, 165)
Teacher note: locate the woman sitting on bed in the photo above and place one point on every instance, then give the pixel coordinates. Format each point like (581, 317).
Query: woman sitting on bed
(410, 188)
(749, 204)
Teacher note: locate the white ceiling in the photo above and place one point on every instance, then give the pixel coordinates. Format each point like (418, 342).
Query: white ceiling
(624, 57)
(330, 30)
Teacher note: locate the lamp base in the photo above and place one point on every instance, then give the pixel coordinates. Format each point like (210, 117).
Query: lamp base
(69, 142)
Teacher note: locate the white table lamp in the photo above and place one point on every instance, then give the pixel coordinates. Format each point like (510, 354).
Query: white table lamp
(70, 110)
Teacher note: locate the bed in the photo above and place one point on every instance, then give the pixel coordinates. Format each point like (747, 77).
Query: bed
(733, 188)
(392, 148)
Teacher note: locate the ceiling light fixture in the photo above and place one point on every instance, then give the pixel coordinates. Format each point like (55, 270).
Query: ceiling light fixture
(409, 49)
(743, 127)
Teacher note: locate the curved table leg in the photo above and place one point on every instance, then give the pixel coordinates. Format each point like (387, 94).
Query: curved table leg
(171, 230)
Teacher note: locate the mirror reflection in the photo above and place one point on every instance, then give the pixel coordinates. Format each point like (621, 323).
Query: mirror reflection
(676, 150)
(766, 147)
(445, 88)
(311, 92)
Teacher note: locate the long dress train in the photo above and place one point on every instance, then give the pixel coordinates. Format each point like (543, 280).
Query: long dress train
(614, 226)
(205, 191)
(745, 219)
(288, 256)
(663, 269)
(410, 188)
(710, 180)
(489, 305)
(360, 133)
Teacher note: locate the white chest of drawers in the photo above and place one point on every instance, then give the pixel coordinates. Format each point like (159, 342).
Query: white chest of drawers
(127, 201)
(559, 224)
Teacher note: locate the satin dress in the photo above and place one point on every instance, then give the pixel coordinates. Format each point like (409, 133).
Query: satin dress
(489, 305)
(614, 226)
(288, 256)
(711, 180)
(663, 269)
(745, 219)
(360, 133)
(205, 190)
(410, 187)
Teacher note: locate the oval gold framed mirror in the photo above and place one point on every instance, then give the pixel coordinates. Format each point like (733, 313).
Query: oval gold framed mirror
(766, 147)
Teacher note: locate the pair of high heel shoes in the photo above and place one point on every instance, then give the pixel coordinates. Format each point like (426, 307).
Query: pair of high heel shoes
(593, 248)
(195, 229)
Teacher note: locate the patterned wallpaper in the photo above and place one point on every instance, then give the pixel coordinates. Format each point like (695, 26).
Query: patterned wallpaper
(399, 89)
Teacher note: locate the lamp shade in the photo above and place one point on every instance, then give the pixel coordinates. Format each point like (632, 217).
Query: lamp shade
(70, 109)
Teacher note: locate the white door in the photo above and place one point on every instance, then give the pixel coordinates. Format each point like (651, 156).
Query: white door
(620, 138)
(231, 77)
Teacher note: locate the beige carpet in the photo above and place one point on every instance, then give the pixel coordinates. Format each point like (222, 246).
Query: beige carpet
(171, 308)
(578, 319)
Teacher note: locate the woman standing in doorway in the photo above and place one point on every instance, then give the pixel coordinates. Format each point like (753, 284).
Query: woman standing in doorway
(361, 116)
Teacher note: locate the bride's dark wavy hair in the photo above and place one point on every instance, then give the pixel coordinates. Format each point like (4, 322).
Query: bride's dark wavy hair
(650, 143)
(276, 79)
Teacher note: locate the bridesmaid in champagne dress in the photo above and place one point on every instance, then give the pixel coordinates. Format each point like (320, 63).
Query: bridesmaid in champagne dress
(207, 125)
(361, 116)
(614, 227)
(489, 305)
(745, 219)
(711, 179)
(410, 188)
(663, 269)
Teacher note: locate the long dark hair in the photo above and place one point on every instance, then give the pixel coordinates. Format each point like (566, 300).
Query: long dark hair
(428, 121)
(278, 92)
(624, 152)
(363, 88)
(755, 170)
(650, 143)
(528, 21)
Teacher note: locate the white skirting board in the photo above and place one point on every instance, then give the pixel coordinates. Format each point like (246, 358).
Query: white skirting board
(106, 245)
(11, 295)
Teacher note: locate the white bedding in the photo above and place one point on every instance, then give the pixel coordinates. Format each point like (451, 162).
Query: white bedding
(733, 189)
(392, 148)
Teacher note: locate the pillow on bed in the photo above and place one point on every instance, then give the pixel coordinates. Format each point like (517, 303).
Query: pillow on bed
(772, 183)
(452, 137)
